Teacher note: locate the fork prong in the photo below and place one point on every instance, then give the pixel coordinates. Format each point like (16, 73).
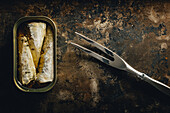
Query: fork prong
(97, 45)
(94, 54)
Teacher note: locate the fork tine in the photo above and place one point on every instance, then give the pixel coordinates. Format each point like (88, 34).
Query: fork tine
(99, 46)
(94, 54)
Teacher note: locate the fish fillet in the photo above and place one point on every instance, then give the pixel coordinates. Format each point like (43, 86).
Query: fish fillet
(37, 33)
(45, 70)
(27, 70)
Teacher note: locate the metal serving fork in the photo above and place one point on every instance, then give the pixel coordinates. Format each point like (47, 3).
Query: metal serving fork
(118, 62)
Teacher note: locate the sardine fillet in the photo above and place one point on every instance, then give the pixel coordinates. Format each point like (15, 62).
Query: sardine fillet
(37, 34)
(45, 70)
(27, 71)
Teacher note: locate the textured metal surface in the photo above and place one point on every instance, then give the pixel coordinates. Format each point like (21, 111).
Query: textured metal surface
(138, 31)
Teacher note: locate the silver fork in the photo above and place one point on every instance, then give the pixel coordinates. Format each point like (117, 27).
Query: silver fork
(118, 62)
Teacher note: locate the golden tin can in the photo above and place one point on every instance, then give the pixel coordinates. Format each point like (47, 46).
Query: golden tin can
(36, 87)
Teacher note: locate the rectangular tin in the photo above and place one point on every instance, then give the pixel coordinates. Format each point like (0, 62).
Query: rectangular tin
(15, 67)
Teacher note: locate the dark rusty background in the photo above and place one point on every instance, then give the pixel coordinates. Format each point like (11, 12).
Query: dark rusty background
(138, 31)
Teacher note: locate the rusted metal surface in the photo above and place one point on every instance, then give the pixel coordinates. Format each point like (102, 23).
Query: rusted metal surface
(138, 31)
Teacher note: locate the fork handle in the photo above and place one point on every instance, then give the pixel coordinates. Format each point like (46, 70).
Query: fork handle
(160, 86)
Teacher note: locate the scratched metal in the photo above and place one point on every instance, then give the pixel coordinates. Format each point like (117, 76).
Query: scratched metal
(138, 31)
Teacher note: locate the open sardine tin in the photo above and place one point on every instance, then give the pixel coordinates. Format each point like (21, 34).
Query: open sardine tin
(34, 85)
